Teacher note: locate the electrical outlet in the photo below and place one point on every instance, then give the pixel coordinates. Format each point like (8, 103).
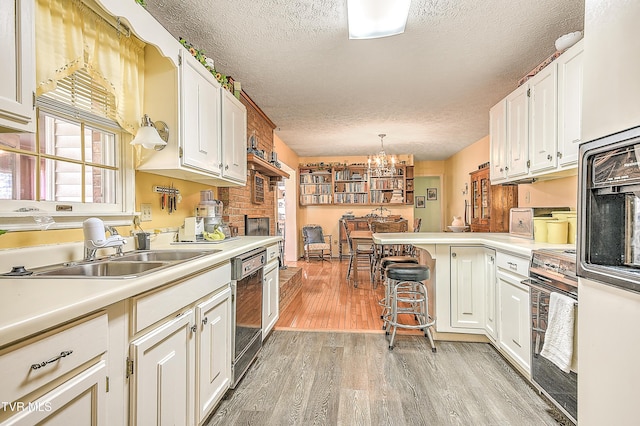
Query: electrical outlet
(145, 215)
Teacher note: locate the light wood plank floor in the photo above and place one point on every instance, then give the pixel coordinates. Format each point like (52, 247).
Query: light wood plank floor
(338, 378)
(328, 363)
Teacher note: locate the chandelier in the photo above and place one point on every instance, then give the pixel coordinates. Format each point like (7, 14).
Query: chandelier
(381, 164)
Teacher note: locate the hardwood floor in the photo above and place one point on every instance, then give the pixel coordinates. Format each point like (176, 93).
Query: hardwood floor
(328, 302)
(328, 363)
(337, 378)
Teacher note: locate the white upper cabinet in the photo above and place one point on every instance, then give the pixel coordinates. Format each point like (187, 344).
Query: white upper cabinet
(498, 134)
(200, 116)
(570, 78)
(234, 137)
(17, 73)
(207, 126)
(517, 132)
(543, 120)
(536, 129)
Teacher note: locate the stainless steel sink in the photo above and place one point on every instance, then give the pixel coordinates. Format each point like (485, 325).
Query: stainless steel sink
(131, 264)
(104, 269)
(162, 255)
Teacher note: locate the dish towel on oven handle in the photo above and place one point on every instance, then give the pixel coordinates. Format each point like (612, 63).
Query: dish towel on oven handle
(558, 340)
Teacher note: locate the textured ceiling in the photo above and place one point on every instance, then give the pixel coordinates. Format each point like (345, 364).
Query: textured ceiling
(429, 89)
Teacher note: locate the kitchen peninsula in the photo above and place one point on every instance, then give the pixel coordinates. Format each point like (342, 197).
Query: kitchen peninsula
(477, 286)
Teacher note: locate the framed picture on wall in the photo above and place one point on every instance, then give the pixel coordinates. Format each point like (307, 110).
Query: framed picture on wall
(420, 202)
(432, 194)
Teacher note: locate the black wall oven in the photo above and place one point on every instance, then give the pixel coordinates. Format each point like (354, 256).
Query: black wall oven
(609, 206)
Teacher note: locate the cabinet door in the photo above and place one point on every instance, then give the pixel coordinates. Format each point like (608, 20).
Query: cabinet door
(213, 371)
(514, 323)
(200, 113)
(162, 374)
(270, 298)
(543, 120)
(78, 401)
(570, 77)
(491, 295)
(17, 73)
(467, 287)
(517, 132)
(234, 138)
(498, 141)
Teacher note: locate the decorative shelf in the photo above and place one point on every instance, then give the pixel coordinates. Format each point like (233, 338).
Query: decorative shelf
(264, 167)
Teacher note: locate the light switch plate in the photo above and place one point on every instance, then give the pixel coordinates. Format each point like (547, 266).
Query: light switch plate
(145, 215)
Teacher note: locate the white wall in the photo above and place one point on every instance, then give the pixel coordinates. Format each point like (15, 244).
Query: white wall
(608, 318)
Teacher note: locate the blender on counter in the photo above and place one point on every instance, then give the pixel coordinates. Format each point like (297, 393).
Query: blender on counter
(207, 225)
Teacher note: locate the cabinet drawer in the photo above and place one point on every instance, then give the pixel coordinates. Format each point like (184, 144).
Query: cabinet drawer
(272, 252)
(149, 308)
(515, 264)
(80, 342)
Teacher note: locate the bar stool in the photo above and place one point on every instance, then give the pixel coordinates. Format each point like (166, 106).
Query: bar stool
(384, 263)
(409, 296)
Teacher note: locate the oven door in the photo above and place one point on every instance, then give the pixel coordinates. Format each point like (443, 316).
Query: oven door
(561, 387)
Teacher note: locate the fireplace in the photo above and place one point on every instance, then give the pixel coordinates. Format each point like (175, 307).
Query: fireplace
(256, 226)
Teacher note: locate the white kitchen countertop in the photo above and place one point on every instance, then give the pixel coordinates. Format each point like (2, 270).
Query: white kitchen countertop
(30, 305)
(498, 241)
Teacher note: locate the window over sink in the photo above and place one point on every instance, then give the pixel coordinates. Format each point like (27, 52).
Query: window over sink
(75, 161)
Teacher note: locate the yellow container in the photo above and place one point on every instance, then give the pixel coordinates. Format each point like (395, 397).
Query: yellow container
(573, 228)
(562, 215)
(540, 228)
(557, 231)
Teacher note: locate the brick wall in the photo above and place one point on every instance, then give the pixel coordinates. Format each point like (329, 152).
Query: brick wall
(238, 200)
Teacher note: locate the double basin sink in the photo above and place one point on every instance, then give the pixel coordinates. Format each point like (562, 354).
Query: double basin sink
(130, 265)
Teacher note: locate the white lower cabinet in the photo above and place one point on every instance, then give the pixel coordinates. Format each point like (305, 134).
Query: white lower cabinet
(180, 369)
(162, 374)
(468, 266)
(270, 297)
(491, 296)
(213, 349)
(514, 323)
(79, 401)
(57, 378)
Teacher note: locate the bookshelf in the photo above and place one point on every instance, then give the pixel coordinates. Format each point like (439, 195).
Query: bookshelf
(315, 186)
(350, 184)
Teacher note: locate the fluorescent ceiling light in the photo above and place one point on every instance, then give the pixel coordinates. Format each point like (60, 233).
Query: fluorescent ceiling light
(376, 18)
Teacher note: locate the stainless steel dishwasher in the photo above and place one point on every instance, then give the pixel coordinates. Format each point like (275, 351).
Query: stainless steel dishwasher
(246, 287)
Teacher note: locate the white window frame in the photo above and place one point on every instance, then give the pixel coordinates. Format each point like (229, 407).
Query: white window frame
(26, 215)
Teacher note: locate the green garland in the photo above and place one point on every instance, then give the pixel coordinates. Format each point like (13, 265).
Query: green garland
(142, 3)
(202, 58)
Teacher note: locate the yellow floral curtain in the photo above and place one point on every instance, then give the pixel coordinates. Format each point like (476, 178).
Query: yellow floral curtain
(70, 36)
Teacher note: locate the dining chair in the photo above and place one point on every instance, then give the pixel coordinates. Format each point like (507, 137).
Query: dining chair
(359, 254)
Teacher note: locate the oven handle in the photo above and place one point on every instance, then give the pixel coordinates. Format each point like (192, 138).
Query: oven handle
(543, 287)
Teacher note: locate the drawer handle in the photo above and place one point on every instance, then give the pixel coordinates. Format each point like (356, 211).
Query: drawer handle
(513, 266)
(52, 360)
(205, 320)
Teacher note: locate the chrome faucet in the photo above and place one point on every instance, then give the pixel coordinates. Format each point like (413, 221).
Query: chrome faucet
(95, 238)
